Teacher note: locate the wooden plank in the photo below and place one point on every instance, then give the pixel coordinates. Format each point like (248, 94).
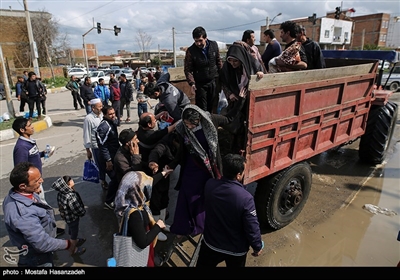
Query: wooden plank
(301, 77)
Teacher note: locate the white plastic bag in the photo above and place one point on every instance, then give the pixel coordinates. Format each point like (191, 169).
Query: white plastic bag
(6, 116)
(222, 102)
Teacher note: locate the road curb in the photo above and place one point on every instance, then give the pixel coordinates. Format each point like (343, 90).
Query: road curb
(43, 124)
(55, 90)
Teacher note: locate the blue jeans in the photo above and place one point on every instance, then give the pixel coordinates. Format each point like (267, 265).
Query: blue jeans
(138, 81)
(88, 108)
(141, 108)
(100, 165)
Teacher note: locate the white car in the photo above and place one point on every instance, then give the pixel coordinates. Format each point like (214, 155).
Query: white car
(96, 75)
(144, 70)
(77, 72)
(386, 65)
(152, 69)
(394, 81)
(128, 73)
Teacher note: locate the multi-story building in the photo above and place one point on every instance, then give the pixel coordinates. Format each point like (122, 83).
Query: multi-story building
(349, 32)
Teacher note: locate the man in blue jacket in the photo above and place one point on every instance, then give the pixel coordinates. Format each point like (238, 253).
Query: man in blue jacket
(231, 224)
(30, 223)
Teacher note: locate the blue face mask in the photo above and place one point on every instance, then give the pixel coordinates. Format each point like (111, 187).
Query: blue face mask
(147, 189)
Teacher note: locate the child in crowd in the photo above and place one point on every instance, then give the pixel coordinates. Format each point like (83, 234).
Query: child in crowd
(142, 100)
(289, 56)
(71, 209)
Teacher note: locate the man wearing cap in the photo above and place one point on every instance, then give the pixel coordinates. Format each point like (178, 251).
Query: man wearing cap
(90, 124)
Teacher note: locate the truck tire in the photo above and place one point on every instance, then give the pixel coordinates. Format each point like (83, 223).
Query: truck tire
(394, 86)
(375, 142)
(280, 197)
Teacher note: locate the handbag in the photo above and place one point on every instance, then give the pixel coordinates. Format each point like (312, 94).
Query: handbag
(126, 252)
(90, 171)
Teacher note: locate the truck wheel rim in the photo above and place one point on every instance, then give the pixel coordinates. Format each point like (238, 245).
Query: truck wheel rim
(291, 197)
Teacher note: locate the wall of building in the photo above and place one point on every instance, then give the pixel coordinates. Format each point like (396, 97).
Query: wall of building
(335, 32)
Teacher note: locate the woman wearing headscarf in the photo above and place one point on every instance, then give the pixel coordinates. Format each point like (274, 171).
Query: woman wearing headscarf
(200, 159)
(235, 77)
(133, 195)
(236, 72)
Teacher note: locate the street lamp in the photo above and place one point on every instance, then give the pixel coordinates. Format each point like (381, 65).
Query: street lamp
(269, 22)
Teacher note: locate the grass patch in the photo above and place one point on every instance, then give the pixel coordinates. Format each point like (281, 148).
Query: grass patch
(8, 124)
(56, 82)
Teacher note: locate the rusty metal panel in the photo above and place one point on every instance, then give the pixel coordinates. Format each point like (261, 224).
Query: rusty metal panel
(296, 115)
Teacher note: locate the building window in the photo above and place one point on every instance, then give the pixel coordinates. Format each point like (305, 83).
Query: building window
(326, 34)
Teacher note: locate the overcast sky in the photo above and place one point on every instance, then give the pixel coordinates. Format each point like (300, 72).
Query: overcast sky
(224, 21)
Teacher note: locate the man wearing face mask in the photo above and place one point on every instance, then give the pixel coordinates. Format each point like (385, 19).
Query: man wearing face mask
(107, 141)
(201, 67)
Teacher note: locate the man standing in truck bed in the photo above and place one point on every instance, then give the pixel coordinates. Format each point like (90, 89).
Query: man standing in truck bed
(202, 64)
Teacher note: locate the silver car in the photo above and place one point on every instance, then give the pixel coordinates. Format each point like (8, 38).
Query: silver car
(394, 81)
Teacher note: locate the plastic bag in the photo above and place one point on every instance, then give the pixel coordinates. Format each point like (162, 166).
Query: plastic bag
(6, 116)
(222, 102)
(90, 172)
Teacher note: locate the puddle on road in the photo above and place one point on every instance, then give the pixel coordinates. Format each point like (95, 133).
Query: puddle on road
(353, 236)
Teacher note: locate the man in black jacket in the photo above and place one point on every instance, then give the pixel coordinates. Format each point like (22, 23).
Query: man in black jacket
(315, 58)
(201, 67)
(86, 92)
(34, 91)
(126, 96)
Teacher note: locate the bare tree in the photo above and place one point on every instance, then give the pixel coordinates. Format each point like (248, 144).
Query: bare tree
(51, 44)
(144, 41)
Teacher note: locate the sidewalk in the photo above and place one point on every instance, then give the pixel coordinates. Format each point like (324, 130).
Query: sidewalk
(43, 124)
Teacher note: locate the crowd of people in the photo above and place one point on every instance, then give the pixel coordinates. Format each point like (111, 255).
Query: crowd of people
(135, 167)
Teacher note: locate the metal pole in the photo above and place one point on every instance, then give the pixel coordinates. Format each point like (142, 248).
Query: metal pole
(85, 54)
(173, 44)
(31, 40)
(7, 88)
(267, 23)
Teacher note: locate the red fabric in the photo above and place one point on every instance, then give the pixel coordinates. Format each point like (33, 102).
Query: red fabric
(150, 261)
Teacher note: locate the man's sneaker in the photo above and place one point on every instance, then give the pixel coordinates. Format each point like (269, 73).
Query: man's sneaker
(109, 206)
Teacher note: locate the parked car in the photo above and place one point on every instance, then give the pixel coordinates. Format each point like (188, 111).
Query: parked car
(144, 70)
(96, 75)
(128, 73)
(77, 72)
(393, 83)
(386, 65)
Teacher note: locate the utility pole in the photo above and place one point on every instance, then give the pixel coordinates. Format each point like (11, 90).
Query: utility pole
(7, 88)
(173, 44)
(85, 52)
(32, 43)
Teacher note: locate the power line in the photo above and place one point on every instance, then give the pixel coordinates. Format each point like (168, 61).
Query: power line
(225, 28)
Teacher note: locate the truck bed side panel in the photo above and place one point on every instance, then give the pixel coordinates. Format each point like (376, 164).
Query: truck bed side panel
(296, 115)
